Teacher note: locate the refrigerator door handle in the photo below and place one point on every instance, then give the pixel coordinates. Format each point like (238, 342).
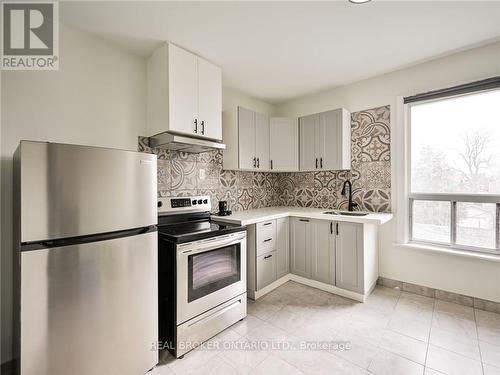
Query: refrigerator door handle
(61, 242)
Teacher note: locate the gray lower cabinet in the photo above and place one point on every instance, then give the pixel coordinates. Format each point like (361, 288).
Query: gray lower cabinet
(300, 247)
(331, 252)
(349, 256)
(282, 247)
(323, 252)
(266, 269)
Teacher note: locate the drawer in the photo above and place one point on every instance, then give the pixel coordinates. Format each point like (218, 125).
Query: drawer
(266, 237)
(266, 245)
(201, 328)
(266, 269)
(266, 228)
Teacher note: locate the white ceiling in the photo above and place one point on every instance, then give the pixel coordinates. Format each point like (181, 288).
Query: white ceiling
(276, 51)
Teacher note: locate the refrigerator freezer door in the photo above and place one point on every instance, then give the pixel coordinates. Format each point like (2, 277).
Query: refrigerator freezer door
(69, 191)
(90, 309)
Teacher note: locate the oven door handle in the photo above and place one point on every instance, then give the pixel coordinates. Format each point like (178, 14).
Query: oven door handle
(210, 244)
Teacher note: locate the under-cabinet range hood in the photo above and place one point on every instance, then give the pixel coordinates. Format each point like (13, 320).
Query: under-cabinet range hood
(175, 142)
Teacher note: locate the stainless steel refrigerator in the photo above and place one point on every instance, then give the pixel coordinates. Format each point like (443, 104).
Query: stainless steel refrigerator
(86, 260)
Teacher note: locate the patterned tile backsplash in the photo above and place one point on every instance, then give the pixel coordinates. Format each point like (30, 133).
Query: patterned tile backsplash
(183, 174)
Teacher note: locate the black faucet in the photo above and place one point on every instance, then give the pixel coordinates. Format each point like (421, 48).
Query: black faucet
(351, 205)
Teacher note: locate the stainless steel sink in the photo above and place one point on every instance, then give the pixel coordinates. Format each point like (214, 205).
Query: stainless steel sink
(346, 213)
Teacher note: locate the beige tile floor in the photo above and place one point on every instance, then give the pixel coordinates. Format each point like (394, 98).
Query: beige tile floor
(301, 330)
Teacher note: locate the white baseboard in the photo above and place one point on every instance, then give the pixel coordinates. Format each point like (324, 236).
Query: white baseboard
(312, 283)
(259, 293)
(328, 288)
(370, 289)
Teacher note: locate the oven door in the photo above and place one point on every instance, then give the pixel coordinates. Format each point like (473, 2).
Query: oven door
(209, 272)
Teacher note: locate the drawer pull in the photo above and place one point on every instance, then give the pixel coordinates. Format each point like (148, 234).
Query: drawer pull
(268, 223)
(269, 239)
(306, 220)
(268, 256)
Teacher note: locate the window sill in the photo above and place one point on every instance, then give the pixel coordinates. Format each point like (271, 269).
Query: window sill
(448, 251)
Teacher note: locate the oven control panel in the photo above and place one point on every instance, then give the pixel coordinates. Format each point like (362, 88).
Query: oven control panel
(180, 202)
(183, 204)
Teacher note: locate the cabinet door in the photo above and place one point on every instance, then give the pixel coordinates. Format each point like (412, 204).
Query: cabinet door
(262, 141)
(329, 141)
(282, 246)
(349, 256)
(209, 100)
(284, 144)
(183, 91)
(246, 138)
(300, 247)
(307, 128)
(322, 251)
(266, 269)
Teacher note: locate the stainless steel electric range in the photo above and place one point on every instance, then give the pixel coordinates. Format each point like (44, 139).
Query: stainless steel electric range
(202, 273)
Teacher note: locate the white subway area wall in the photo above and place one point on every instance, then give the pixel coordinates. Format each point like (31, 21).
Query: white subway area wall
(464, 275)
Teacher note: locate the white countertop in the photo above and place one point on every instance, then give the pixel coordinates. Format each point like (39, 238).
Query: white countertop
(248, 217)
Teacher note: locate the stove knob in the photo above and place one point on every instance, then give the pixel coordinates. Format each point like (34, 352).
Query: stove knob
(205, 201)
(194, 202)
(200, 201)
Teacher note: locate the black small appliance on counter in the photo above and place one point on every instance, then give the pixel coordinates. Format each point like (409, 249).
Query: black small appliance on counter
(223, 211)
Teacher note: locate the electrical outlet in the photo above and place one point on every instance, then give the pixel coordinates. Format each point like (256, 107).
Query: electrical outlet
(202, 174)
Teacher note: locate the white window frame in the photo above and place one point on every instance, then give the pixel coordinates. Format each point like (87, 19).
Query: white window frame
(452, 198)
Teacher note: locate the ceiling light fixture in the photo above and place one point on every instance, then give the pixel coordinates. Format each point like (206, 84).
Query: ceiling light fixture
(359, 1)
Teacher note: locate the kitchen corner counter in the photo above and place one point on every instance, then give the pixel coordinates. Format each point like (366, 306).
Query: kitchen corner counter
(253, 216)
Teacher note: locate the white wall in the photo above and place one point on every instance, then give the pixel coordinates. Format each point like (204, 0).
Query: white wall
(98, 97)
(231, 99)
(468, 276)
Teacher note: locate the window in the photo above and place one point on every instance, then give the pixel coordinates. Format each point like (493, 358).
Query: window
(454, 170)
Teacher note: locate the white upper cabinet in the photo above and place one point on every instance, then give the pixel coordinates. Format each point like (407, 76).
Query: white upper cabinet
(184, 94)
(262, 141)
(325, 141)
(183, 90)
(246, 135)
(308, 156)
(284, 144)
(210, 99)
(253, 140)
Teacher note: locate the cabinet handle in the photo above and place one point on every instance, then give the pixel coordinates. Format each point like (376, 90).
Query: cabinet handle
(305, 220)
(320, 160)
(254, 162)
(196, 125)
(203, 127)
(268, 223)
(271, 164)
(331, 227)
(337, 228)
(268, 256)
(269, 239)
(316, 163)
(258, 162)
